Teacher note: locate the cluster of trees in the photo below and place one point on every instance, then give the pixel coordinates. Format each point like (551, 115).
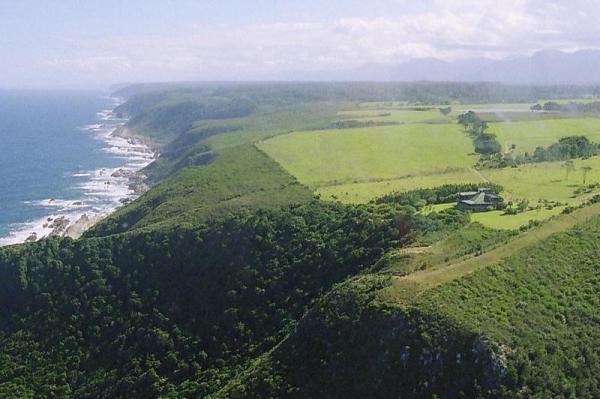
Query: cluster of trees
(354, 346)
(571, 147)
(485, 143)
(571, 107)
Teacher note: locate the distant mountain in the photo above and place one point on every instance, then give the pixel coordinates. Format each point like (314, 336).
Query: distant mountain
(543, 67)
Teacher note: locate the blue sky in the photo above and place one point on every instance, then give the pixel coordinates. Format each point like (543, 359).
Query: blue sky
(67, 43)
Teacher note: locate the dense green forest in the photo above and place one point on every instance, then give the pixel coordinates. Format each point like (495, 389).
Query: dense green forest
(175, 312)
(229, 278)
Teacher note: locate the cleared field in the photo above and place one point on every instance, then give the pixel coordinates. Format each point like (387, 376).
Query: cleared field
(333, 157)
(364, 192)
(397, 116)
(530, 134)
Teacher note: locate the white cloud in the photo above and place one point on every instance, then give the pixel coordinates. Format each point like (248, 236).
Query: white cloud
(448, 29)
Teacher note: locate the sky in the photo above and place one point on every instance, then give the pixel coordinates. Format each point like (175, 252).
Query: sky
(69, 43)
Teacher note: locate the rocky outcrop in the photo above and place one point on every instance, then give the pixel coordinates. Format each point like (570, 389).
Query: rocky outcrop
(59, 225)
(137, 184)
(123, 173)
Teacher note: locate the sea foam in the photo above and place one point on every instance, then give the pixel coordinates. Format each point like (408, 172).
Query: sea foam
(103, 190)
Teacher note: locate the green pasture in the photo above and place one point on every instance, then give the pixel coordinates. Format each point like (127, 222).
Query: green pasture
(364, 192)
(333, 157)
(527, 135)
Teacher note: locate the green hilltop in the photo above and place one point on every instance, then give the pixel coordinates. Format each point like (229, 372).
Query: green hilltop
(301, 240)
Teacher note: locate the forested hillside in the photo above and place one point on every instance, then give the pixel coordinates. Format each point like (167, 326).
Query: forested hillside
(231, 279)
(179, 312)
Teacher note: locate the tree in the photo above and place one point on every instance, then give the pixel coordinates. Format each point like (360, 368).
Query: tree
(446, 110)
(585, 170)
(468, 118)
(569, 167)
(523, 205)
(486, 143)
(479, 127)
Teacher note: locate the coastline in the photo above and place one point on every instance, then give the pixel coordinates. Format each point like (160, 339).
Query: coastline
(103, 190)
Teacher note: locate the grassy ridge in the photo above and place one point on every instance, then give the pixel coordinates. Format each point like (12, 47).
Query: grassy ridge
(241, 177)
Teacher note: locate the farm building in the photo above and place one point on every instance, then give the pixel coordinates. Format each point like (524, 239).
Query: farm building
(477, 201)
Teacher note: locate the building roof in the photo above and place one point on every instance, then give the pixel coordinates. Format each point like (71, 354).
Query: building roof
(478, 199)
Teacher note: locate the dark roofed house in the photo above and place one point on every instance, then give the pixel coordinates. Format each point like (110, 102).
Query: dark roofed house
(477, 201)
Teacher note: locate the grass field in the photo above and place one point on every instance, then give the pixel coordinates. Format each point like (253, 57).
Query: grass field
(364, 192)
(333, 157)
(527, 135)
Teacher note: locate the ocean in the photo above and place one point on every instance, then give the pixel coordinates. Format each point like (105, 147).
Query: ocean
(58, 160)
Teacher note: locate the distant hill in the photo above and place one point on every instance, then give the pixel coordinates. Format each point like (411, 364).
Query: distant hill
(542, 68)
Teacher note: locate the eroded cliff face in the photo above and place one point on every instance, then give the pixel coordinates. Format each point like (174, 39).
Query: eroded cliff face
(350, 346)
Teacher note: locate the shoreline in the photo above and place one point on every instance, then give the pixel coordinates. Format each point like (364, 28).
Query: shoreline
(103, 190)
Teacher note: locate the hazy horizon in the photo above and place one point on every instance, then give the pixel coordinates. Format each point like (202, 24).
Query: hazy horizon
(96, 45)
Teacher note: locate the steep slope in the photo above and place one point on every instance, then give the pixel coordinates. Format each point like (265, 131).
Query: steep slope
(526, 327)
(241, 177)
(173, 313)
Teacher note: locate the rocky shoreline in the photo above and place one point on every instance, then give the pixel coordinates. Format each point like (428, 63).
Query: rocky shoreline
(136, 150)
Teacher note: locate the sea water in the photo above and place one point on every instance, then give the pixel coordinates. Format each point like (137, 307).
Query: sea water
(57, 158)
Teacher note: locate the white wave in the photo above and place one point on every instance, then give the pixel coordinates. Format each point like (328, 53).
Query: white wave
(102, 192)
(94, 126)
(41, 227)
(61, 204)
